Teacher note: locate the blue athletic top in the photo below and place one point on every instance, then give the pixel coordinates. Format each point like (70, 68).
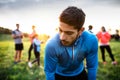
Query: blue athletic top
(36, 44)
(68, 60)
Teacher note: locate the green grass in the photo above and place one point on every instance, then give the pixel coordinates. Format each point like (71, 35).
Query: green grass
(21, 71)
(109, 71)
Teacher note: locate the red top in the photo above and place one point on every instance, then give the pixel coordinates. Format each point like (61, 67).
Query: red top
(103, 37)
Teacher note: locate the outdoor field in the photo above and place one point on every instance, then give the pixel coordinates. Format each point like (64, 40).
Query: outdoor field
(21, 71)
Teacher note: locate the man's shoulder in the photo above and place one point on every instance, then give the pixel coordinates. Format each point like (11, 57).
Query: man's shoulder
(53, 40)
(87, 34)
(89, 38)
(14, 32)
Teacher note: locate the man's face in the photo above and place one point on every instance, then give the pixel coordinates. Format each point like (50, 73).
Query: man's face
(68, 34)
(17, 25)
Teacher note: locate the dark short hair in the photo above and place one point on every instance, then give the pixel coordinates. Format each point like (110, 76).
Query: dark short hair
(90, 26)
(17, 24)
(73, 16)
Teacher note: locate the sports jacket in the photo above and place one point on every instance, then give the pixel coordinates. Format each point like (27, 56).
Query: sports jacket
(68, 60)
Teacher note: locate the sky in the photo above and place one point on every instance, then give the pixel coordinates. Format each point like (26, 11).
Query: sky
(44, 14)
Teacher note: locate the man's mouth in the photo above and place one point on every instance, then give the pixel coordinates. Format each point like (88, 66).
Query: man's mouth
(64, 42)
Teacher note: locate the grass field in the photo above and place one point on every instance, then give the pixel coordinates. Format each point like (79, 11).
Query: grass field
(21, 71)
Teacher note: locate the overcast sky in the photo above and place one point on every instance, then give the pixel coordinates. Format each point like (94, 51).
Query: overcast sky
(44, 13)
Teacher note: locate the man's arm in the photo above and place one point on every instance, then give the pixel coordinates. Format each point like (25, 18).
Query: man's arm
(92, 60)
(50, 62)
(14, 36)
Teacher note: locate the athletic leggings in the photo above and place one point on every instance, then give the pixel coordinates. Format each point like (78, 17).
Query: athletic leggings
(107, 47)
(81, 76)
(29, 52)
(37, 55)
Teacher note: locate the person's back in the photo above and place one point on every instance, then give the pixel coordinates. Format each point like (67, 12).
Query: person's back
(116, 36)
(90, 28)
(36, 44)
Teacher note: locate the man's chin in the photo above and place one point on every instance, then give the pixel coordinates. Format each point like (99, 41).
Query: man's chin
(65, 44)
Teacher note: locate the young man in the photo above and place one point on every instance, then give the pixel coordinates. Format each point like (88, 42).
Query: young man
(65, 53)
(17, 36)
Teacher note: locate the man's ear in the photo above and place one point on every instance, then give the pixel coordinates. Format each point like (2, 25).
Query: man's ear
(81, 30)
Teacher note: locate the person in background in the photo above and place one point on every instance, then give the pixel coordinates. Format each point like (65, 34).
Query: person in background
(17, 35)
(31, 40)
(116, 36)
(65, 52)
(90, 27)
(104, 39)
(36, 46)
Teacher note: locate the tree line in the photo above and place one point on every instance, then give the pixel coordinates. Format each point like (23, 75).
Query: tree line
(43, 37)
(5, 30)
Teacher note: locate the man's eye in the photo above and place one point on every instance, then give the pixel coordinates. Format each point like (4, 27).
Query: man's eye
(60, 30)
(69, 33)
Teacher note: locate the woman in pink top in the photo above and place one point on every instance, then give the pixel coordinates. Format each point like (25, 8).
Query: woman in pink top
(104, 38)
(31, 39)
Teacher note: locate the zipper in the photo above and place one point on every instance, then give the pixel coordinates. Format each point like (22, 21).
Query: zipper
(73, 53)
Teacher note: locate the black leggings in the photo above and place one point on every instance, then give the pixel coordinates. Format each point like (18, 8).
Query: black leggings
(107, 47)
(37, 56)
(29, 52)
(81, 76)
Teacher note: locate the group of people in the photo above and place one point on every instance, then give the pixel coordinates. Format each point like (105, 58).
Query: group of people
(35, 45)
(66, 51)
(104, 38)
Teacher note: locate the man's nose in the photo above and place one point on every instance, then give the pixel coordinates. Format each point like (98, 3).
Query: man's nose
(62, 36)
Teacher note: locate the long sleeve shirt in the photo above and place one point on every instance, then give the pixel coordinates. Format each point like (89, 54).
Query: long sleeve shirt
(68, 60)
(36, 44)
